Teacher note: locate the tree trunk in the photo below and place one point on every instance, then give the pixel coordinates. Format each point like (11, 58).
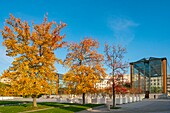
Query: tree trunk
(113, 87)
(34, 102)
(83, 96)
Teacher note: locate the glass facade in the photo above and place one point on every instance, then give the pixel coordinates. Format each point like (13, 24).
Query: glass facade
(149, 74)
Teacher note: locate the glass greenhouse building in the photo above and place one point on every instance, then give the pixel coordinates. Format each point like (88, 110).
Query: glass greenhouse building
(149, 74)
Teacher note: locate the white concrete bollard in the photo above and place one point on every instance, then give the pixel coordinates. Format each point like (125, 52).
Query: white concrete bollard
(108, 106)
(124, 100)
(94, 100)
(57, 99)
(88, 100)
(129, 99)
(69, 100)
(133, 98)
(98, 100)
(119, 100)
(102, 100)
(137, 98)
(75, 100)
(140, 98)
(109, 101)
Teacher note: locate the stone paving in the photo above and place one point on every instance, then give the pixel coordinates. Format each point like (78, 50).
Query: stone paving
(145, 106)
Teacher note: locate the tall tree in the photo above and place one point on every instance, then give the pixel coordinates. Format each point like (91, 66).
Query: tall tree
(32, 71)
(86, 67)
(114, 60)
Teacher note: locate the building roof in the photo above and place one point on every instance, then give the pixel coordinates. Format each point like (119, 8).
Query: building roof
(149, 59)
(149, 66)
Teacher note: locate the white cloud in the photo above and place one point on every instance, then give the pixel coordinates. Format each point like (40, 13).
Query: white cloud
(122, 30)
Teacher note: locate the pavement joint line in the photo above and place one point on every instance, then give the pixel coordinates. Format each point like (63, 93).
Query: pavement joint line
(37, 110)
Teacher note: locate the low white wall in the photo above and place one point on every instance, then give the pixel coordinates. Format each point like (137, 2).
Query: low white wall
(9, 97)
(6, 98)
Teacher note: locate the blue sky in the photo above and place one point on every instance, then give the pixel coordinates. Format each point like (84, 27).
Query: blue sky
(142, 26)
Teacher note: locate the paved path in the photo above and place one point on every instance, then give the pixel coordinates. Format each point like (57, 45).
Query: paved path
(145, 106)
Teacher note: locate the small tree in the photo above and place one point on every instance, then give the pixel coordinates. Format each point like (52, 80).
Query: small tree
(118, 87)
(85, 65)
(32, 72)
(114, 60)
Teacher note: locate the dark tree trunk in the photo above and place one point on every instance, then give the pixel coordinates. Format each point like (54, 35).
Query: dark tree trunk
(83, 96)
(114, 102)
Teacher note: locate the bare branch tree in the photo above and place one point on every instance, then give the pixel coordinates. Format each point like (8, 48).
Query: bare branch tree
(114, 60)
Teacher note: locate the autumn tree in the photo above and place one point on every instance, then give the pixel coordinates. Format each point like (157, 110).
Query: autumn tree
(114, 60)
(32, 71)
(119, 86)
(85, 67)
(3, 88)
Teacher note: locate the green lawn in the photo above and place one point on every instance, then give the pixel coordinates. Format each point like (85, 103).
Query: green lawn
(19, 108)
(55, 107)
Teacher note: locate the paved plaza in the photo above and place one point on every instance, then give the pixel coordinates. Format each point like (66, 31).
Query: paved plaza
(145, 106)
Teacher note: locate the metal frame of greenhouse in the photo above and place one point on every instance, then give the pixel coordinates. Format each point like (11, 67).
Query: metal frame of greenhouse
(144, 71)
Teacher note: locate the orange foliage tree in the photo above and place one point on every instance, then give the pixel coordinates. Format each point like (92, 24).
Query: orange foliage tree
(32, 71)
(114, 60)
(86, 67)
